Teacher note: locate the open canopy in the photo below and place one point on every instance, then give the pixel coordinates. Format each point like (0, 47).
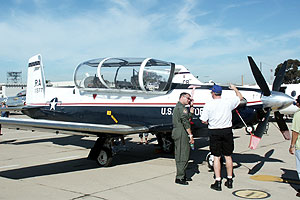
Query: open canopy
(145, 74)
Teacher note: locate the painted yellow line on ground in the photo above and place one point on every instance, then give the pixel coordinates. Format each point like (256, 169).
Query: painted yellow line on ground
(274, 179)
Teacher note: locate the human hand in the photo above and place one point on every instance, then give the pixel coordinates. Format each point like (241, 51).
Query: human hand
(292, 150)
(192, 109)
(192, 140)
(231, 86)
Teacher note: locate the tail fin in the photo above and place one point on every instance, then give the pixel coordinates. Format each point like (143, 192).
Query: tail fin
(36, 83)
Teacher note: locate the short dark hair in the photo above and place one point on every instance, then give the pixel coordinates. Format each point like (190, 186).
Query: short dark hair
(298, 99)
(183, 94)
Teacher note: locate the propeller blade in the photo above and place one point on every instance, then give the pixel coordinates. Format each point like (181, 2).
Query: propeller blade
(260, 80)
(279, 77)
(282, 125)
(260, 129)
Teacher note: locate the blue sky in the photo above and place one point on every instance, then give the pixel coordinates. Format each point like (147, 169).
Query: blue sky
(212, 38)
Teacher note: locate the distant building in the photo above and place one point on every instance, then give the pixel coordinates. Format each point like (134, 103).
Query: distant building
(14, 77)
(7, 90)
(11, 89)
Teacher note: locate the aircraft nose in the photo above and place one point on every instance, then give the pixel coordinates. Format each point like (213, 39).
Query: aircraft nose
(277, 101)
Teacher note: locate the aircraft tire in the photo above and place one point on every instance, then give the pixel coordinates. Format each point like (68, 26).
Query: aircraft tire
(210, 161)
(104, 159)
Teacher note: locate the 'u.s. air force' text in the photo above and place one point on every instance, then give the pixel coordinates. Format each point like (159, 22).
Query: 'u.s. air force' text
(169, 111)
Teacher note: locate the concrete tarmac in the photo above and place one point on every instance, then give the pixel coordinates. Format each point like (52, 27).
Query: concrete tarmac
(39, 165)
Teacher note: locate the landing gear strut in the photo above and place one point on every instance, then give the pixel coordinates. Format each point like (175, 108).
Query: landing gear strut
(102, 151)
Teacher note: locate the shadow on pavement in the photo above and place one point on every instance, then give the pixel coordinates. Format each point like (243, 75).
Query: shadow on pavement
(135, 153)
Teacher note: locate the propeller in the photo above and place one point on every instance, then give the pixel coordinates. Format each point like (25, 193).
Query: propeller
(272, 100)
(278, 116)
(260, 80)
(279, 77)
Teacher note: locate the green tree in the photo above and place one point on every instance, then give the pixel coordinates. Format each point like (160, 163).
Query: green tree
(292, 74)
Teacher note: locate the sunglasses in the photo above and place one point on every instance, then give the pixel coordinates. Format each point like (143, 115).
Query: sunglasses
(189, 98)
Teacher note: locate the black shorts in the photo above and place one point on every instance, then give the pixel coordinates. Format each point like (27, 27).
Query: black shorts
(221, 141)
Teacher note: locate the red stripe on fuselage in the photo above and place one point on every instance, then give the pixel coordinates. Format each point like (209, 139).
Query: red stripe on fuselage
(125, 104)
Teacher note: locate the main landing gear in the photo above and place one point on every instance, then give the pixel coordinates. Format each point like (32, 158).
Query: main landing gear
(102, 151)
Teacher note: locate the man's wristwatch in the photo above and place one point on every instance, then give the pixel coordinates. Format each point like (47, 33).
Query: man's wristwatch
(190, 135)
(292, 146)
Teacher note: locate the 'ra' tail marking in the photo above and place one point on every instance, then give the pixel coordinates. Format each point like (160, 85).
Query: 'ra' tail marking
(36, 84)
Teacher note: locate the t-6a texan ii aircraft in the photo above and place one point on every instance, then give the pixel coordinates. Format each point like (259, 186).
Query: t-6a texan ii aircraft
(120, 96)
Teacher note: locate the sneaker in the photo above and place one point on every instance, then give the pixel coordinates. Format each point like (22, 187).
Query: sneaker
(188, 178)
(216, 186)
(181, 181)
(228, 183)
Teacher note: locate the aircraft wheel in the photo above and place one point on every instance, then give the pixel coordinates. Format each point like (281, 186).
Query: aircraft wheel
(210, 161)
(104, 159)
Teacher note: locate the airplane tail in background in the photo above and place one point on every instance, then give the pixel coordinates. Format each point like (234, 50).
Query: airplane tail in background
(36, 83)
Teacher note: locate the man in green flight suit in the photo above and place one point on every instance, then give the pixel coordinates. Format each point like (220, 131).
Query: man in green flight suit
(182, 135)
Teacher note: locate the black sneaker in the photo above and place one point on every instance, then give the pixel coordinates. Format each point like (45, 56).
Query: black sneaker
(216, 186)
(188, 178)
(228, 183)
(181, 181)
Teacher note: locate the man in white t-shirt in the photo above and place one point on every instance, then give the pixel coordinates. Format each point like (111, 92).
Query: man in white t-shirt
(218, 115)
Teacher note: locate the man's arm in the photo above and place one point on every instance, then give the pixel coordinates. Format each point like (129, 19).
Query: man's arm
(237, 92)
(293, 142)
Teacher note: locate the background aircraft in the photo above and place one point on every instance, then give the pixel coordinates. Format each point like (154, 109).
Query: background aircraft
(119, 96)
(15, 101)
(293, 90)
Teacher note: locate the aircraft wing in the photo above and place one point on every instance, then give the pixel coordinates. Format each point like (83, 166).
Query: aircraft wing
(70, 128)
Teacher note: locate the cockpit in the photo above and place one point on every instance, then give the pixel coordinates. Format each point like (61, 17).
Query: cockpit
(139, 74)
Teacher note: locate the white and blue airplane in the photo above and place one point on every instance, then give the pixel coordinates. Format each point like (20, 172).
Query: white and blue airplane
(120, 96)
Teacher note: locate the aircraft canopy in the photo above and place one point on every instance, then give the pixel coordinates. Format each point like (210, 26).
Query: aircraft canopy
(144, 74)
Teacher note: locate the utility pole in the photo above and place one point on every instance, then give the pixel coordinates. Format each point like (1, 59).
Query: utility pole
(242, 80)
